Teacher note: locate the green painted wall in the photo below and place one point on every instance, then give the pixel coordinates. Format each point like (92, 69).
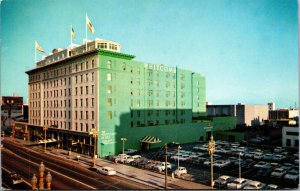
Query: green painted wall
(223, 123)
(146, 100)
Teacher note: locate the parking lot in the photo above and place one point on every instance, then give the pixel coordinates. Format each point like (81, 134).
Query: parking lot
(232, 159)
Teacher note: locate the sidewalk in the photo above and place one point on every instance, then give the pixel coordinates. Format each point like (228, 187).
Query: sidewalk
(146, 177)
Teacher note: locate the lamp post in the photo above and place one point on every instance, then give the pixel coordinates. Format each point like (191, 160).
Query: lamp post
(45, 131)
(33, 182)
(178, 155)
(48, 181)
(42, 170)
(239, 164)
(94, 134)
(211, 150)
(123, 139)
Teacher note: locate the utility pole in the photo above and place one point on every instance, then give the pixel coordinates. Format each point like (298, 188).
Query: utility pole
(166, 169)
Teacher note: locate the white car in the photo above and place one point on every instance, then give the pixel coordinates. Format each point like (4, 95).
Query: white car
(238, 183)
(122, 158)
(255, 185)
(221, 163)
(260, 164)
(258, 155)
(180, 171)
(130, 151)
(223, 180)
(106, 170)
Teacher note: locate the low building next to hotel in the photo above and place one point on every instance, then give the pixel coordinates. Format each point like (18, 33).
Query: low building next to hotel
(249, 115)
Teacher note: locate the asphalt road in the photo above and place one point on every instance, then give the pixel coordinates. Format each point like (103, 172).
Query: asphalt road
(66, 174)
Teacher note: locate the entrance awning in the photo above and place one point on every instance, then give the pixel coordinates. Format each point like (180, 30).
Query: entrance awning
(149, 139)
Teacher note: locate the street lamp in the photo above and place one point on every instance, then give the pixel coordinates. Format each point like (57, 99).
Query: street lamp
(123, 139)
(42, 170)
(33, 182)
(178, 155)
(239, 164)
(94, 133)
(45, 130)
(211, 150)
(48, 181)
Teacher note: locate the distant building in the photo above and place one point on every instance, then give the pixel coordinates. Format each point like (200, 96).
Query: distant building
(282, 117)
(245, 114)
(290, 137)
(11, 106)
(271, 106)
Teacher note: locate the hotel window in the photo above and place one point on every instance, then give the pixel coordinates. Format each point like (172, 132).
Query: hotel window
(81, 78)
(124, 66)
(81, 115)
(69, 103)
(108, 64)
(92, 102)
(86, 115)
(108, 77)
(81, 66)
(138, 92)
(138, 70)
(87, 65)
(109, 89)
(69, 91)
(86, 78)
(92, 76)
(81, 90)
(75, 102)
(157, 103)
(138, 113)
(87, 102)
(75, 114)
(109, 101)
(76, 68)
(93, 88)
(76, 79)
(138, 103)
(81, 126)
(69, 114)
(93, 115)
(138, 81)
(109, 115)
(93, 65)
(86, 127)
(86, 89)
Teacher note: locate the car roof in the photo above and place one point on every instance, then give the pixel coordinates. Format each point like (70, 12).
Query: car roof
(108, 168)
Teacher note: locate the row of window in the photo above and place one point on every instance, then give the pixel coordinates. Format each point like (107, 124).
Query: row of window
(150, 103)
(64, 125)
(63, 114)
(158, 112)
(157, 122)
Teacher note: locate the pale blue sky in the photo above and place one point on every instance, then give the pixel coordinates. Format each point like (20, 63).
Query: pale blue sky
(246, 49)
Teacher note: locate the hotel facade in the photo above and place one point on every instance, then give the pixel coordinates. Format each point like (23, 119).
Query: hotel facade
(73, 91)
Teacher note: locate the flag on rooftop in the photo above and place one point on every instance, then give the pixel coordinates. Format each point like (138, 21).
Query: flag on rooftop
(38, 47)
(73, 32)
(89, 25)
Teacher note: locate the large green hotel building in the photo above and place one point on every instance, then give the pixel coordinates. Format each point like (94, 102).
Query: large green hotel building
(96, 87)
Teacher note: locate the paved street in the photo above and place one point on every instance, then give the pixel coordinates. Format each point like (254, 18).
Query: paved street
(141, 176)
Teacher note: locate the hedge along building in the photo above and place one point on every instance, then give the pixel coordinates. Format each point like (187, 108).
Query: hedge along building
(73, 91)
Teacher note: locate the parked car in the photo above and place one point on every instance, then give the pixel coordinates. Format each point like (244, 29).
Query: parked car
(130, 151)
(255, 185)
(14, 178)
(180, 171)
(222, 181)
(271, 187)
(161, 167)
(249, 155)
(258, 155)
(238, 183)
(260, 164)
(278, 157)
(286, 166)
(265, 170)
(278, 173)
(292, 175)
(268, 157)
(248, 163)
(106, 170)
(122, 158)
(222, 163)
(278, 149)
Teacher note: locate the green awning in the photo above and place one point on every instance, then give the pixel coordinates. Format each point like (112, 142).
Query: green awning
(150, 139)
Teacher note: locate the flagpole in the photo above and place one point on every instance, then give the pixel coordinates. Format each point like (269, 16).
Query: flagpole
(85, 33)
(35, 51)
(71, 37)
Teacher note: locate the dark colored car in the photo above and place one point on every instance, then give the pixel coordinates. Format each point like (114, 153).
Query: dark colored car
(265, 171)
(248, 163)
